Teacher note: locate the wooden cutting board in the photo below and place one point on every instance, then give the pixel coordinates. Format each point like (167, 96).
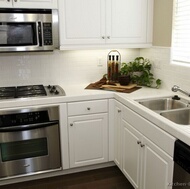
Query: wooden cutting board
(118, 86)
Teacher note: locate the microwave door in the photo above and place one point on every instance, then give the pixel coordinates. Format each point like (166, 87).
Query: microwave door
(20, 36)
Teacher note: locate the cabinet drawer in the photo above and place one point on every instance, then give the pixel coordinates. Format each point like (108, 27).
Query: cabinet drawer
(87, 107)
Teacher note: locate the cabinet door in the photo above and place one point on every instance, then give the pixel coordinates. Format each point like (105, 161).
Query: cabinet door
(6, 4)
(52, 4)
(88, 139)
(126, 21)
(131, 140)
(158, 167)
(117, 134)
(82, 22)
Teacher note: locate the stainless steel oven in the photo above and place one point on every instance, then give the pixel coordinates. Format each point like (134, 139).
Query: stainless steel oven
(29, 141)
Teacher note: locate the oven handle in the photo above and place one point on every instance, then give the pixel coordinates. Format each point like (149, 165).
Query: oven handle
(28, 127)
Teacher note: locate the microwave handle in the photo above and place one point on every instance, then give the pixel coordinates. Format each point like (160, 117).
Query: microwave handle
(39, 33)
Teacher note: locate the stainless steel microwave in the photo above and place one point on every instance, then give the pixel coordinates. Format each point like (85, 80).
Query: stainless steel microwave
(28, 30)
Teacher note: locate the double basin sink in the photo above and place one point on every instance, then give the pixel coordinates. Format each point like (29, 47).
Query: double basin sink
(173, 108)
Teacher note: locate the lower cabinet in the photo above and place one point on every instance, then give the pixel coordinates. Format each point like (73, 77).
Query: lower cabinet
(144, 164)
(131, 153)
(157, 167)
(88, 139)
(117, 134)
(88, 133)
(142, 159)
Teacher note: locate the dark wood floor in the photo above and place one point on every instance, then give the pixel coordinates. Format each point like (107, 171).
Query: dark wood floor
(105, 178)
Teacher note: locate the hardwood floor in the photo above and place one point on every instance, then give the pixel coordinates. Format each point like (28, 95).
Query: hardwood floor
(105, 178)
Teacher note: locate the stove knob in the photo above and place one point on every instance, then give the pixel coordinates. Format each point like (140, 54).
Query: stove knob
(54, 87)
(49, 86)
(56, 92)
(51, 91)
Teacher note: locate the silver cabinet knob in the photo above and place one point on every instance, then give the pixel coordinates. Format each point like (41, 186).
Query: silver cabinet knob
(138, 142)
(15, 0)
(71, 124)
(108, 37)
(118, 111)
(103, 37)
(142, 145)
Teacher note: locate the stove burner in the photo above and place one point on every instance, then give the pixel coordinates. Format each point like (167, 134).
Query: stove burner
(30, 91)
(7, 92)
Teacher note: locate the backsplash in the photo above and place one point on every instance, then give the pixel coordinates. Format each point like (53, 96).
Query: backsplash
(81, 66)
(170, 74)
(58, 67)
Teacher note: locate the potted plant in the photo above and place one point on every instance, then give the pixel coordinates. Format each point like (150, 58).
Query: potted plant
(124, 75)
(140, 72)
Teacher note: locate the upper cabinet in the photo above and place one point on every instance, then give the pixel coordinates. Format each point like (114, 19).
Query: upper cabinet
(51, 4)
(105, 23)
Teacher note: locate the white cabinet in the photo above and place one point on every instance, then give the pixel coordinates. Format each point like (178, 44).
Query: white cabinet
(126, 21)
(117, 134)
(88, 132)
(143, 151)
(82, 22)
(157, 166)
(101, 23)
(131, 154)
(145, 164)
(38, 4)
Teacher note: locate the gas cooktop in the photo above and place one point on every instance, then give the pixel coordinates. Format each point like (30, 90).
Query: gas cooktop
(30, 91)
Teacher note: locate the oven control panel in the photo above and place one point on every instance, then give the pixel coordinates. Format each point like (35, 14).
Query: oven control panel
(23, 118)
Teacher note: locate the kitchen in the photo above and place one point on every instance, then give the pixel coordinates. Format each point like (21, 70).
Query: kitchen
(75, 69)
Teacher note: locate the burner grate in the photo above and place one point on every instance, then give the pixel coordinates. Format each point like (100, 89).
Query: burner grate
(31, 91)
(22, 91)
(7, 92)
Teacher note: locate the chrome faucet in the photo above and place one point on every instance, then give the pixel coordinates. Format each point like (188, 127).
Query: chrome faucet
(176, 88)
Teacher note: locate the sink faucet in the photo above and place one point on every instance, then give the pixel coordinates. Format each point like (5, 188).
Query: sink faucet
(176, 88)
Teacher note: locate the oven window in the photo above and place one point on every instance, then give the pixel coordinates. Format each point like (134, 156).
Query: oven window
(24, 149)
(19, 34)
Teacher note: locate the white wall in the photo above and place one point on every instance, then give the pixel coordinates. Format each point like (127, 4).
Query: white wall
(59, 67)
(169, 73)
(80, 67)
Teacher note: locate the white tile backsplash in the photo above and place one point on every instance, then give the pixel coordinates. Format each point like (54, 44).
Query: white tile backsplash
(81, 66)
(169, 73)
(58, 67)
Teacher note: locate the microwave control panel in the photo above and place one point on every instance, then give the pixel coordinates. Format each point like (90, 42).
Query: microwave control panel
(47, 34)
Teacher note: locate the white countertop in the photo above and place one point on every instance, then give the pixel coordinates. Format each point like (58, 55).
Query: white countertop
(79, 93)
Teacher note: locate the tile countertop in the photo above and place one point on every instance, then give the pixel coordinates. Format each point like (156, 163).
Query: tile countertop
(78, 93)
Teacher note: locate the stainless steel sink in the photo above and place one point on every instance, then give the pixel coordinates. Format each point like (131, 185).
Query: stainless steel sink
(177, 111)
(160, 104)
(180, 116)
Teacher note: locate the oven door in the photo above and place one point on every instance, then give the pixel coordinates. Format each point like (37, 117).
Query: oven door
(25, 152)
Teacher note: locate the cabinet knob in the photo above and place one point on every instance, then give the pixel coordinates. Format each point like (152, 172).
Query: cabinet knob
(88, 108)
(15, 0)
(108, 37)
(71, 124)
(118, 111)
(103, 37)
(8, 0)
(142, 145)
(138, 142)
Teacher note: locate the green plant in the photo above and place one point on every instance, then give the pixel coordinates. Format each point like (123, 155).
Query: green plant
(142, 65)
